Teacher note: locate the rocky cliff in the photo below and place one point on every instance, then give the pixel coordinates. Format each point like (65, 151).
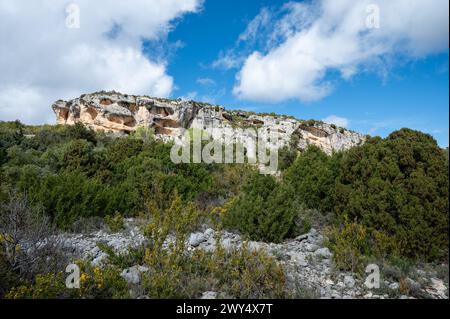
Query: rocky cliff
(121, 113)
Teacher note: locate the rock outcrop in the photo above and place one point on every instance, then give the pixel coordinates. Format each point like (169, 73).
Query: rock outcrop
(120, 113)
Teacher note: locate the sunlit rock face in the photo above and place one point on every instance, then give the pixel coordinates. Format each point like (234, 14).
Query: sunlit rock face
(121, 113)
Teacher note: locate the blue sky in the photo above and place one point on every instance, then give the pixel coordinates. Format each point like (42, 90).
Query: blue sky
(415, 94)
(373, 66)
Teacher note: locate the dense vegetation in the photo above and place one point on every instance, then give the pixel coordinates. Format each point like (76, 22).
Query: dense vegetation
(386, 198)
(265, 210)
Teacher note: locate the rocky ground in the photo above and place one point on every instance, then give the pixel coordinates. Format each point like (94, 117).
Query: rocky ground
(308, 264)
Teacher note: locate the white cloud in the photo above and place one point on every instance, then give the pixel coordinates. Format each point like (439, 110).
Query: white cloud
(228, 60)
(206, 81)
(42, 60)
(259, 22)
(310, 40)
(336, 120)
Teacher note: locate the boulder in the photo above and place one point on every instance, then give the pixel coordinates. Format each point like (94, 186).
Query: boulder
(196, 239)
(133, 274)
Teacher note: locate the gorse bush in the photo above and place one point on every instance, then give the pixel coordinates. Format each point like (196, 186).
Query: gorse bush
(265, 210)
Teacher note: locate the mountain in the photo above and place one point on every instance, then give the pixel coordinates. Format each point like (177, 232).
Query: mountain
(123, 114)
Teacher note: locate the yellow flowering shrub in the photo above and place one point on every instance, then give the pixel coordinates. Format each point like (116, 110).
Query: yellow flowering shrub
(354, 243)
(94, 283)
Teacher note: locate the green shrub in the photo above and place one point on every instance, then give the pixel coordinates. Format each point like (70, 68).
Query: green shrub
(398, 186)
(288, 154)
(68, 196)
(80, 132)
(144, 133)
(95, 283)
(45, 286)
(77, 155)
(350, 244)
(115, 223)
(312, 176)
(264, 211)
(11, 133)
(8, 278)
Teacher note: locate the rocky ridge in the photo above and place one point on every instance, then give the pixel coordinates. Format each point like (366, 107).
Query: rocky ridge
(123, 114)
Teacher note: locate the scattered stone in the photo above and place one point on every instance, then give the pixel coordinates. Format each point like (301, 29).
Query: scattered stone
(323, 253)
(349, 282)
(311, 247)
(196, 239)
(227, 244)
(254, 246)
(421, 273)
(329, 282)
(209, 233)
(306, 262)
(98, 261)
(437, 289)
(209, 295)
(394, 286)
(335, 295)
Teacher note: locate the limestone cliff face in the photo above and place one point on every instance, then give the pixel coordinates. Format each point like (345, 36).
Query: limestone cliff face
(120, 113)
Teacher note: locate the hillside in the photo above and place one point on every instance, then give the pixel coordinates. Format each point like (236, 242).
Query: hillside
(138, 225)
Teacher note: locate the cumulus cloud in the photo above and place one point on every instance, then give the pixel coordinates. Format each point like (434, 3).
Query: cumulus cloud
(311, 40)
(43, 60)
(336, 120)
